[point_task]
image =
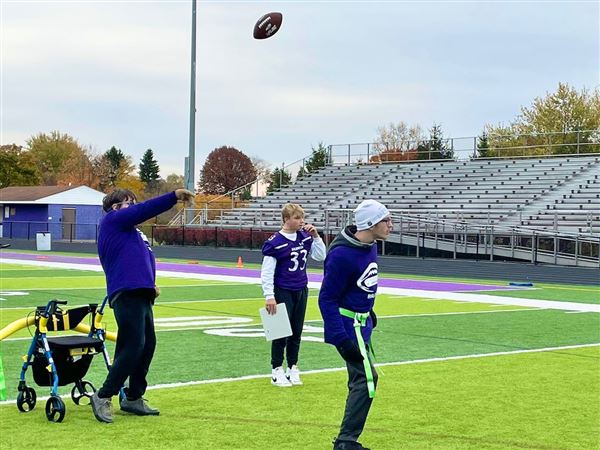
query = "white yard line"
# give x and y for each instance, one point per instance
(340, 369)
(457, 313)
(493, 299)
(158, 304)
(257, 321)
(454, 296)
(104, 287)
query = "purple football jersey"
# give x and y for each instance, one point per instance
(291, 256)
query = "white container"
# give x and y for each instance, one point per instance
(43, 241)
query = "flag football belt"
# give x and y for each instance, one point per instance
(360, 320)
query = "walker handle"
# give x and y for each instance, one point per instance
(52, 304)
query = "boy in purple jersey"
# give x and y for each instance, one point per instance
(130, 270)
(284, 280)
(346, 301)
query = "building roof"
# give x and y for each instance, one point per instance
(30, 193)
(51, 195)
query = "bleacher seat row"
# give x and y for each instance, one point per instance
(558, 193)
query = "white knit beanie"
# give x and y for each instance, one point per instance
(369, 213)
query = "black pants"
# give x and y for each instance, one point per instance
(136, 342)
(358, 402)
(295, 303)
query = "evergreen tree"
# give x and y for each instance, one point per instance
(440, 148)
(279, 178)
(149, 171)
(246, 193)
(436, 147)
(301, 172)
(318, 159)
(112, 167)
(114, 156)
(483, 146)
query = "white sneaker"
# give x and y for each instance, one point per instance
(293, 375)
(279, 379)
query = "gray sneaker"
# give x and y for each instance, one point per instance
(139, 407)
(102, 408)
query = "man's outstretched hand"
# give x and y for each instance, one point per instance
(185, 196)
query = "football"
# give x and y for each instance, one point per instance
(268, 25)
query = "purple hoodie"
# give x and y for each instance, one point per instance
(124, 251)
(350, 281)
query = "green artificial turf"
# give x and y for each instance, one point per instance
(546, 400)
(525, 401)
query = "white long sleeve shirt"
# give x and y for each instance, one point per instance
(318, 252)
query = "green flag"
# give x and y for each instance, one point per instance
(2, 382)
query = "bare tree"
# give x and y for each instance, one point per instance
(398, 137)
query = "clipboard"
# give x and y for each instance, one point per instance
(276, 325)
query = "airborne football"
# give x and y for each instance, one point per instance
(268, 25)
(217, 241)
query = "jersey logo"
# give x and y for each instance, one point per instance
(368, 279)
(144, 238)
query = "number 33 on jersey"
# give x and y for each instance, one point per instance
(291, 257)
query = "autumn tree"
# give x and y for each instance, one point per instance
(169, 184)
(79, 169)
(225, 169)
(51, 153)
(17, 167)
(565, 121)
(134, 184)
(172, 182)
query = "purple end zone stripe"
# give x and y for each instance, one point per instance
(441, 286)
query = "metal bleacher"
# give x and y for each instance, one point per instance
(553, 193)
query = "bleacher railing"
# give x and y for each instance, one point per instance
(464, 148)
(455, 238)
(490, 241)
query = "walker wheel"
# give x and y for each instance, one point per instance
(55, 409)
(26, 399)
(85, 390)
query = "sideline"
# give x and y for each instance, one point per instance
(456, 296)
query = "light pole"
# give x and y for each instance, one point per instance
(191, 163)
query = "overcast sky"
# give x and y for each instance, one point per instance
(118, 73)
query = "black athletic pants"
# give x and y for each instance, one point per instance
(358, 402)
(295, 303)
(136, 342)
